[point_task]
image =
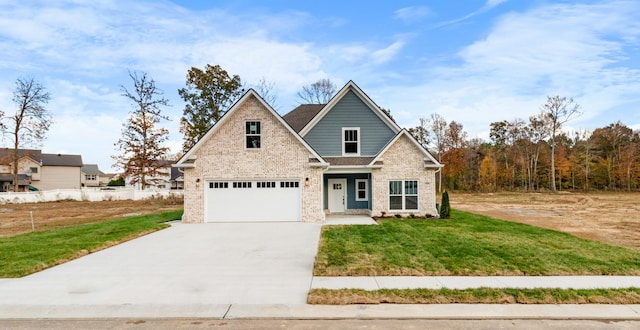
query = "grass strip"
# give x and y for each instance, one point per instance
(467, 244)
(474, 296)
(25, 254)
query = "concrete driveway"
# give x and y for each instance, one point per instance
(195, 264)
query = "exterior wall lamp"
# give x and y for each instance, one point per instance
(197, 182)
(307, 182)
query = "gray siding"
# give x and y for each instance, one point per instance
(326, 136)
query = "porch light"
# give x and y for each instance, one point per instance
(197, 182)
(307, 182)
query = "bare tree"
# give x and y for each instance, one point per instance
(320, 92)
(439, 129)
(558, 111)
(266, 90)
(31, 120)
(141, 142)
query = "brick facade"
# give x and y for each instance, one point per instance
(404, 161)
(224, 156)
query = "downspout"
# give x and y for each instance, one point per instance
(437, 213)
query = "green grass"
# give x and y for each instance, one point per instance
(466, 244)
(29, 253)
(475, 296)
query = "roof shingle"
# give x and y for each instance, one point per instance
(299, 117)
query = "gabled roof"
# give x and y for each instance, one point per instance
(23, 179)
(299, 117)
(6, 155)
(430, 161)
(61, 160)
(92, 169)
(350, 86)
(186, 159)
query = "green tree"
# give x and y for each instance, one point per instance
(119, 182)
(209, 94)
(141, 142)
(31, 121)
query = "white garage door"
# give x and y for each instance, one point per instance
(249, 201)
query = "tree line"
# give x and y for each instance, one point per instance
(534, 154)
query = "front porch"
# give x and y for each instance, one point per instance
(347, 194)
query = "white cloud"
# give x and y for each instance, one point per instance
(387, 54)
(493, 3)
(413, 13)
(571, 50)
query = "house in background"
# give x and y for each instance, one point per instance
(159, 182)
(40, 171)
(177, 178)
(344, 157)
(93, 177)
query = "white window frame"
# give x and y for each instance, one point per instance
(404, 195)
(359, 138)
(366, 190)
(246, 134)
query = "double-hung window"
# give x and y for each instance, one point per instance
(252, 134)
(351, 141)
(403, 195)
(362, 191)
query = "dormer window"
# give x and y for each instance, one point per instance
(252, 134)
(351, 141)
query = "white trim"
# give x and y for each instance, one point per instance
(341, 93)
(358, 138)
(345, 198)
(366, 190)
(347, 169)
(227, 115)
(403, 195)
(427, 154)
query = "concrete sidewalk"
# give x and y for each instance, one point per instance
(469, 282)
(317, 312)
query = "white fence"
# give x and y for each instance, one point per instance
(85, 194)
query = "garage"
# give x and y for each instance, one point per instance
(252, 200)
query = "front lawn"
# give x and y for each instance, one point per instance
(24, 254)
(466, 244)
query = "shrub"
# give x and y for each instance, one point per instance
(412, 216)
(445, 208)
(398, 215)
(119, 182)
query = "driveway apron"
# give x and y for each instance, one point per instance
(224, 263)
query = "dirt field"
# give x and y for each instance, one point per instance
(608, 217)
(16, 218)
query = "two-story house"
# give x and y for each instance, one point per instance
(346, 156)
(40, 171)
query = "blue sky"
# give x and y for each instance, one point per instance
(471, 61)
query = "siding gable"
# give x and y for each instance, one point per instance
(350, 111)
